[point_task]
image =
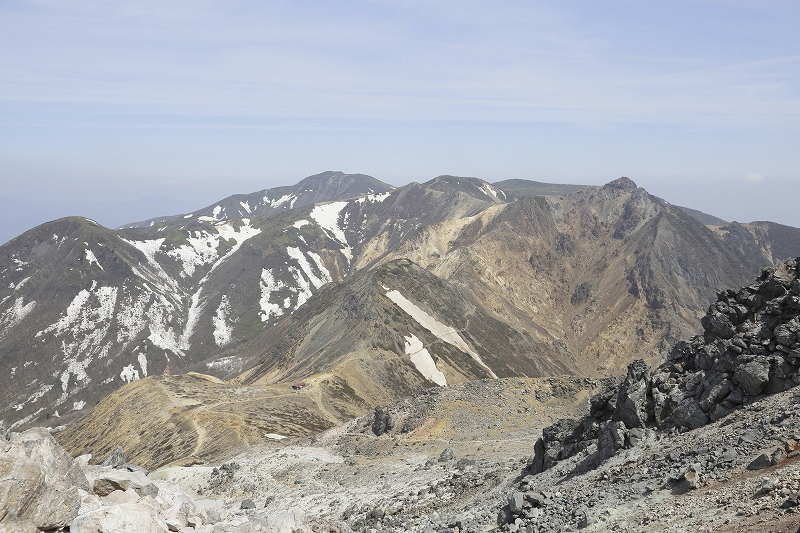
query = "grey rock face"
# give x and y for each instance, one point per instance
(632, 404)
(760, 462)
(108, 482)
(446, 455)
(719, 325)
(515, 502)
(247, 503)
(610, 439)
(785, 336)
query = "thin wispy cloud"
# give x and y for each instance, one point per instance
(753, 177)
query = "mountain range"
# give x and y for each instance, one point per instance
(364, 291)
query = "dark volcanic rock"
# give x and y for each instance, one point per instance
(632, 405)
(382, 422)
(752, 377)
(749, 348)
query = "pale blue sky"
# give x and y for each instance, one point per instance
(105, 102)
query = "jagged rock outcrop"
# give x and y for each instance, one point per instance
(750, 348)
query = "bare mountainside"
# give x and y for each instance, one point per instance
(706, 441)
(579, 284)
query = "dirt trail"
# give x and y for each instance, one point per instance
(314, 392)
(201, 438)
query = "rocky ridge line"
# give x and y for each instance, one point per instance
(750, 349)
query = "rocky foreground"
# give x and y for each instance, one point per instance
(735, 475)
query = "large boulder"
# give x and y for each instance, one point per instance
(127, 517)
(382, 421)
(719, 324)
(39, 481)
(107, 482)
(688, 414)
(752, 377)
(116, 459)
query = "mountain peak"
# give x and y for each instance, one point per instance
(623, 184)
(473, 186)
(323, 187)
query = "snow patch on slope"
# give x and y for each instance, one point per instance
(93, 259)
(268, 285)
(201, 249)
(375, 198)
(423, 361)
(445, 333)
(142, 363)
(317, 280)
(14, 314)
(223, 332)
(302, 288)
(18, 286)
(488, 190)
(159, 277)
(226, 364)
(280, 201)
(129, 374)
(226, 231)
(131, 315)
(327, 216)
(83, 328)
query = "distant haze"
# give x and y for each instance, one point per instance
(126, 110)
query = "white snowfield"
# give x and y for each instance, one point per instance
(291, 198)
(268, 285)
(316, 280)
(375, 198)
(423, 361)
(201, 249)
(491, 191)
(14, 314)
(223, 331)
(327, 216)
(446, 333)
(92, 258)
(310, 274)
(86, 329)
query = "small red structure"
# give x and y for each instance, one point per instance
(298, 386)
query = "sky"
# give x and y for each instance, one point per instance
(121, 110)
